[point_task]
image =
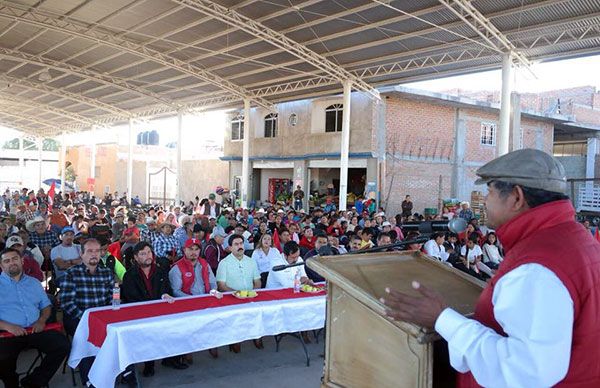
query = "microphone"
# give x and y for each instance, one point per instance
(285, 266)
(456, 225)
(418, 240)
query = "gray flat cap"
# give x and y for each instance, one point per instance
(527, 167)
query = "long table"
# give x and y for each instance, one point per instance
(154, 330)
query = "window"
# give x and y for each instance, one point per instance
(237, 128)
(271, 125)
(488, 134)
(333, 118)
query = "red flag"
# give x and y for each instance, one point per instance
(276, 242)
(597, 234)
(51, 193)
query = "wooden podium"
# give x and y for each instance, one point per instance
(364, 348)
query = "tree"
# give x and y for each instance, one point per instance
(50, 145)
(47, 145)
(14, 144)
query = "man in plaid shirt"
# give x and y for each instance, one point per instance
(42, 237)
(149, 234)
(166, 244)
(84, 286)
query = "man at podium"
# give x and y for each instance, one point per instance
(536, 322)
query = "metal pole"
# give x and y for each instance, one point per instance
(93, 157)
(21, 160)
(345, 146)
(179, 137)
(245, 155)
(63, 157)
(40, 143)
(504, 128)
(130, 162)
(164, 170)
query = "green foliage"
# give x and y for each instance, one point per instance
(47, 145)
(50, 145)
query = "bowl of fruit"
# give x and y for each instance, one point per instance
(245, 294)
(311, 289)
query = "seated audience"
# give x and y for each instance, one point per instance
(84, 286)
(492, 255)
(146, 280)
(264, 254)
(238, 272)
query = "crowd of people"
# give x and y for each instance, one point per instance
(67, 253)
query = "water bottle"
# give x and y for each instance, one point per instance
(116, 297)
(297, 282)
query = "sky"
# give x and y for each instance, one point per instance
(211, 125)
(548, 76)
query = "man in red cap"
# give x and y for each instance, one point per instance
(191, 275)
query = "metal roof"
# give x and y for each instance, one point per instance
(66, 65)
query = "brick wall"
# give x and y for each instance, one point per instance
(586, 115)
(419, 179)
(419, 129)
(420, 147)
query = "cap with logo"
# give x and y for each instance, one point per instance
(13, 240)
(193, 241)
(527, 167)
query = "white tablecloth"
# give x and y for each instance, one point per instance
(168, 335)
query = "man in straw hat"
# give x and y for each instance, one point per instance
(42, 237)
(535, 323)
(166, 245)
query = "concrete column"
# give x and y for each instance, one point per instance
(93, 153)
(301, 178)
(345, 146)
(590, 161)
(178, 166)
(246, 156)
(371, 179)
(63, 157)
(379, 118)
(504, 130)
(21, 160)
(516, 131)
(458, 168)
(130, 160)
(40, 144)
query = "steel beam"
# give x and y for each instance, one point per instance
(277, 39)
(66, 25)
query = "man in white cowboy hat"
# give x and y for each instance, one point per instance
(184, 232)
(465, 212)
(41, 236)
(24, 213)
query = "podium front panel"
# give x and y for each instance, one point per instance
(365, 348)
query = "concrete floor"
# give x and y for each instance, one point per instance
(252, 368)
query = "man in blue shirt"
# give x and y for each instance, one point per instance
(23, 305)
